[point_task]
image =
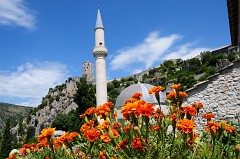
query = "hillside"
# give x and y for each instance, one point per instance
(15, 112)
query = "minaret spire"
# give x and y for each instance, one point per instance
(99, 23)
(100, 53)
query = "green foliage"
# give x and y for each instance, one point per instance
(67, 122)
(20, 129)
(30, 134)
(7, 141)
(116, 83)
(69, 79)
(62, 94)
(50, 100)
(232, 56)
(211, 70)
(57, 98)
(113, 94)
(205, 57)
(144, 77)
(194, 64)
(61, 122)
(84, 98)
(110, 86)
(203, 78)
(168, 63)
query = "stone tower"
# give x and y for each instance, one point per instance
(88, 71)
(100, 53)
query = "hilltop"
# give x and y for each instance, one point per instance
(15, 112)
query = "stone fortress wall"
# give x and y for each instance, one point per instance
(220, 94)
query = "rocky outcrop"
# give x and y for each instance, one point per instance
(62, 101)
(220, 95)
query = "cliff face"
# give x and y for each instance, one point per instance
(58, 100)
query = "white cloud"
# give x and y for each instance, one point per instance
(154, 49)
(185, 52)
(15, 12)
(146, 53)
(31, 82)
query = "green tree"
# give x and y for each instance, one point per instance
(61, 122)
(205, 57)
(20, 129)
(30, 134)
(84, 98)
(116, 83)
(113, 94)
(110, 86)
(6, 141)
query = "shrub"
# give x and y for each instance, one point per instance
(57, 98)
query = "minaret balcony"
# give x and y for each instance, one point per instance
(100, 51)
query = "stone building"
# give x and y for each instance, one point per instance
(88, 71)
(234, 21)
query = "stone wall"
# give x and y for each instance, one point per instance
(220, 95)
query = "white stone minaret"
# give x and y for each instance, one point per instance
(100, 53)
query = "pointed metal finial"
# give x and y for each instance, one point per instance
(99, 23)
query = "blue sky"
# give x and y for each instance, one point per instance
(42, 43)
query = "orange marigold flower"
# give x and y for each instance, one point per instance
(114, 116)
(154, 128)
(105, 138)
(102, 155)
(155, 90)
(64, 137)
(186, 125)
(212, 126)
(22, 151)
(115, 133)
(230, 129)
(176, 86)
(208, 116)
(69, 137)
(191, 141)
(109, 104)
(128, 108)
(105, 125)
(82, 116)
(127, 128)
(190, 109)
(173, 117)
(172, 95)
(183, 94)
(88, 125)
(90, 111)
(145, 109)
(137, 96)
(116, 125)
(197, 105)
(92, 135)
(104, 110)
(40, 145)
(122, 144)
(74, 135)
(136, 143)
(12, 156)
(46, 133)
(158, 114)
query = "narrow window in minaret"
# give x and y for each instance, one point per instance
(100, 43)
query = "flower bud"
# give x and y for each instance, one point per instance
(237, 149)
(137, 131)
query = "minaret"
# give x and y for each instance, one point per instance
(100, 53)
